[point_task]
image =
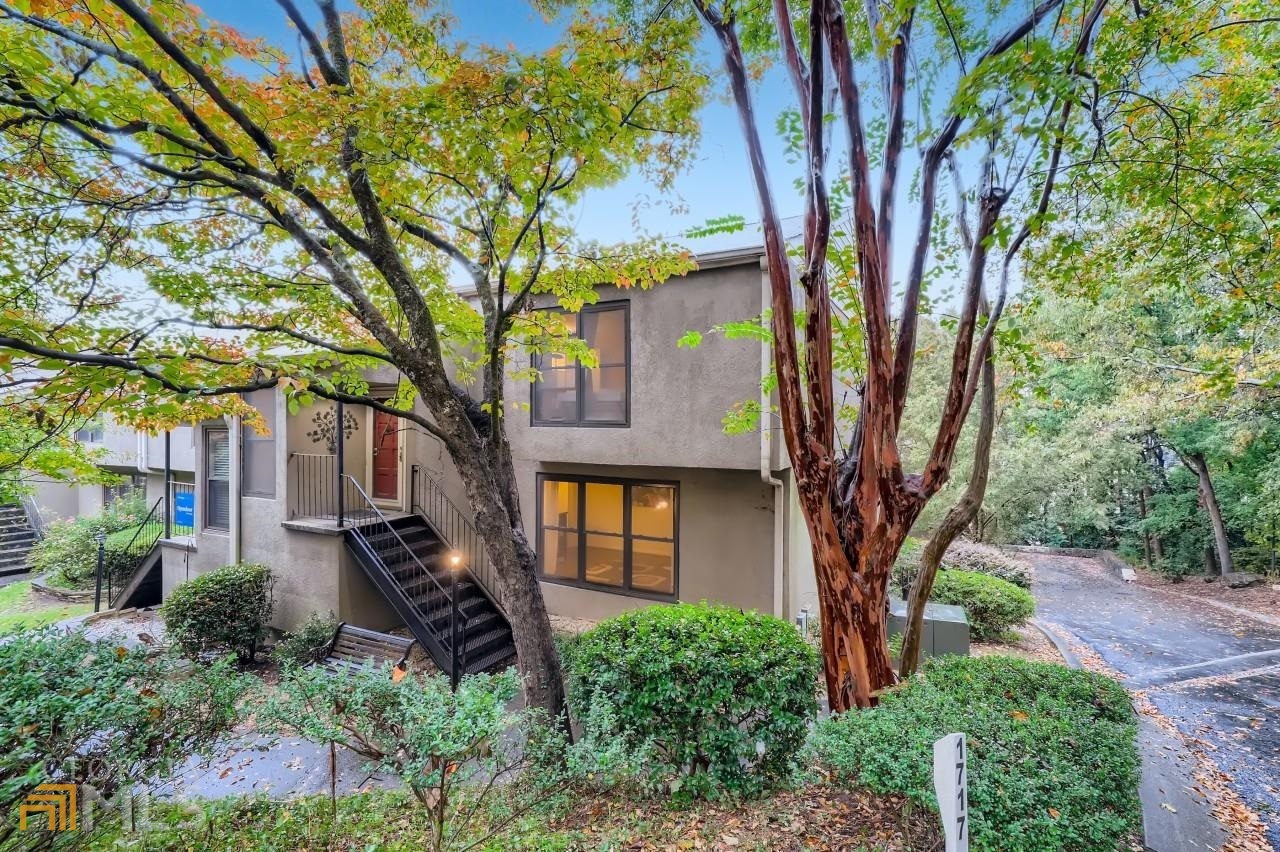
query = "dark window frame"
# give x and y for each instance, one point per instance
(581, 582)
(208, 524)
(623, 305)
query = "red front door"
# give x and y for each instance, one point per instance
(386, 456)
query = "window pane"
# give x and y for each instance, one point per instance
(559, 504)
(605, 331)
(560, 554)
(653, 511)
(604, 399)
(218, 476)
(653, 566)
(555, 395)
(604, 559)
(604, 508)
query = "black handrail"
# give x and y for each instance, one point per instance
(134, 554)
(366, 522)
(428, 498)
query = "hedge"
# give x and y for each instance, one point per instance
(992, 605)
(1053, 762)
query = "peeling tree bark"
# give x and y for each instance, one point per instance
(859, 508)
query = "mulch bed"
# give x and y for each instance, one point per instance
(1031, 644)
(816, 817)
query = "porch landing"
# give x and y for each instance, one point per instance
(329, 526)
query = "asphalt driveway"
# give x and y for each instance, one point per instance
(1215, 674)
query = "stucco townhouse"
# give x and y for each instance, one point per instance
(630, 487)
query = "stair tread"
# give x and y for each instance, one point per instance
(488, 634)
(489, 661)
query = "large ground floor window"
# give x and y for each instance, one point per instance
(613, 534)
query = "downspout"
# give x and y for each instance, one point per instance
(233, 486)
(781, 584)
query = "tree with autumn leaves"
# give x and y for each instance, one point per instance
(998, 101)
(190, 215)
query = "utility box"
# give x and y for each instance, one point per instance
(945, 629)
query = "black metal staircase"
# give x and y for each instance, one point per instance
(431, 585)
(133, 576)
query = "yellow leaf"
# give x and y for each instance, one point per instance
(1053, 812)
(1019, 715)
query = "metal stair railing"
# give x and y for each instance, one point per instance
(365, 521)
(135, 553)
(428, 498)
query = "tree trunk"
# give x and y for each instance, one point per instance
(1210, 498)
(486, 471)
(960, 515)
(1155, 546)
(854, 627)
(1148, 547)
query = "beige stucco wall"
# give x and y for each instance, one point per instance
(679, 396)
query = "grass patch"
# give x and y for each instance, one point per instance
(21, 608)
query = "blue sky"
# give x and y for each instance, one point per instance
(716, 183)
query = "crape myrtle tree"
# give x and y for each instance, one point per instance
(1005, 91)
(192, 214)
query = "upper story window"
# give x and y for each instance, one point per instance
(569, 394)
(90, 433)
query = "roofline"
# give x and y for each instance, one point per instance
(705, 260)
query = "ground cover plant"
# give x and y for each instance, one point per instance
(1052, 757)
(77, 711)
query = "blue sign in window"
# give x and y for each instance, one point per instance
(184, 510)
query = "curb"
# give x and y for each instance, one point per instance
(1068, 656)
(39, 585)
(1166, 776)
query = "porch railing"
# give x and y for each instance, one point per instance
(180, 516)
(428, 498)
(313, 485)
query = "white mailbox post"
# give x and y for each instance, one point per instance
(951, 783)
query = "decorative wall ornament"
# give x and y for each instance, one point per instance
(326, 428)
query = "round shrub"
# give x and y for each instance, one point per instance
(1053, 761)
(992, 605)
(224, 610)
(719, 699)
